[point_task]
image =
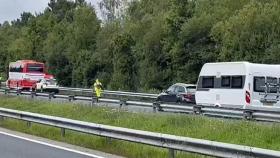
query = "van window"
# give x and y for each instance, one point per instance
(272, 84)
(225, 81)
(208, 82)
(259, 84)
(236, 82)
(16, 69)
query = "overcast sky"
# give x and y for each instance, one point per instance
(11, 9)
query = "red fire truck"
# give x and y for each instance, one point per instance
(24, 74)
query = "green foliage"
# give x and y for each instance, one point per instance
(252, 34)
(142, 44)
(123, 63)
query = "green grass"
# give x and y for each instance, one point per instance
(264, 135)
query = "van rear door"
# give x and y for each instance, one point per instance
(265, 91)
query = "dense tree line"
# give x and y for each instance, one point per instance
(142, 44)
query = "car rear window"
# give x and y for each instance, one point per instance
(51, 82)
(191, 89)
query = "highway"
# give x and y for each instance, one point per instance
(24, 146)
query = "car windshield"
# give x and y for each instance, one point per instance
(191, 89)
(171, 89)
(51, 82)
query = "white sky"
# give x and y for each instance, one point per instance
(11, 9)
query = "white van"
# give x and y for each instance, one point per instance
(238, 84)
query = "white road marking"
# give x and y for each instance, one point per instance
(51, 145)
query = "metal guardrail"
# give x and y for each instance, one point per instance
(251, 113)
(93, 100)
(171, 142)
(117, 93)
(267, 114)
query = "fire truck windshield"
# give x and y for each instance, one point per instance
(35, 68)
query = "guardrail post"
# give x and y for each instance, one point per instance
(248, 114)
(92, 101)
(63, 132)
(197, 109)
(6, 91)
(28, 123)
(108, 140)
(33, 94)
(156, 105)
(50, 96)
(18, 91)
(71, 98)
(122, 103)
(172, 153)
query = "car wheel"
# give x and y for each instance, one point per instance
(179, 100)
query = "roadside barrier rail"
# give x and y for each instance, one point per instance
(117, 93)
(171, 142)
(271, 114)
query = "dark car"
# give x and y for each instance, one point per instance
(178, 93)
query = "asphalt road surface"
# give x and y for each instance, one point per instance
(13, 146)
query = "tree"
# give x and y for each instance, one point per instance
(82, 37)
(142, 44)
(104, 55)
(25, 17)
(123, 76)
(252, 34)
(113, 9)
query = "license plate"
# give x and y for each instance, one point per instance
(268, 104)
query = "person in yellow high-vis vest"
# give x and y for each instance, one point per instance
(97, 88)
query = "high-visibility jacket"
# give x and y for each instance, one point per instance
(98, 88)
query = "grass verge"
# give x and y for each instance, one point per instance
(264, 135)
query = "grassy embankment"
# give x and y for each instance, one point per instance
(230, 131)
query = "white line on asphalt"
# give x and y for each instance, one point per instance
(51, 145)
